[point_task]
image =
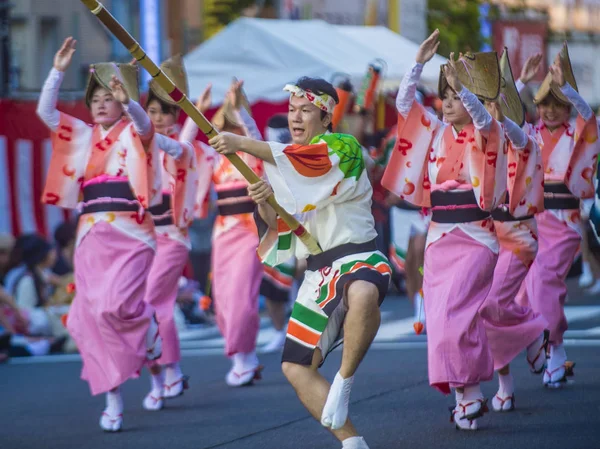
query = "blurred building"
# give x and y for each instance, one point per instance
(564, 15)
(38, 27)
(406, 17)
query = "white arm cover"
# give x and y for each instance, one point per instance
(46, 108)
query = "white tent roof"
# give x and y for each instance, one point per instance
(267, 54)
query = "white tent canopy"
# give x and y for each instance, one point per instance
(267, 54)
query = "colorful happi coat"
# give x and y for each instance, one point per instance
(430, 154)
(569, 156)
(525, 186)
(326, 187)
(180, 181)
(88, 154)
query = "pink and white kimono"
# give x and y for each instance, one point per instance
(117, 171)
(171, 220)
(461, 176)
(569, 156)
(236, 268)
(511, 327)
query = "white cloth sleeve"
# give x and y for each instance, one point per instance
(515, 134)
(408, 89)
(520, 85)
(46, 108)
(189, 131)
(25, 293)
(250, 124)
(577, 100)
(170, 146)
(481, 117)
(141, 121)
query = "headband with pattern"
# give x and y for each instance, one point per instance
(324, 102)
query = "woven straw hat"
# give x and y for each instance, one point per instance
(548, 87)
(478, 72)
(227, 115)
(101, 75)
(175, 70)
(510, 101)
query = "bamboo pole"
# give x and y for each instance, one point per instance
(190, 109)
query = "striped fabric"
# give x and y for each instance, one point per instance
(320, 295)
(23, 168)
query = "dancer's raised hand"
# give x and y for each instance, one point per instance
(428, 48)
(64, 56)
(452, 75)
(531, 68)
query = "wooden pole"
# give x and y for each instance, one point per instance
(190, 109)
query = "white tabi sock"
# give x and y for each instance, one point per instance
(111, 419)
(172, 373)
(558, 357)
(156, 381)
(154, 400)
(335, 412)
(459, 396)
(114, 403)
(472, 393)
(354, 443)
(506, 388)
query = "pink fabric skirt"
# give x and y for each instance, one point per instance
(237, 275)
(510, 327)
(108, 318)
(458, 275)
(161, 293)
(545, 285)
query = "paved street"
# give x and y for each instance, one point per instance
(45, 405)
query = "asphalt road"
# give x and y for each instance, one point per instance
(43, 404)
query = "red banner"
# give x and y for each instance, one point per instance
(523, 38)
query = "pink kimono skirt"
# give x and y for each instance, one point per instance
(161, 293)
(109, 318)
(237, 275)
(545, 287)
(458, 275)
(510, 327)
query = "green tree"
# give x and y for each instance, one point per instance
(458, 22)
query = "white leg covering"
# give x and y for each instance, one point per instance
(112, 416)
(175, 381)
(504, 400)
(555, 373)
(245, 369)
(154, 400)
(470, 405)
(354, 443)
(335, 412)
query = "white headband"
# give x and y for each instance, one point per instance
(324, 102)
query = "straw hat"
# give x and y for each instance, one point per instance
(478, 72)
(510, 101)
(548, 87)
(175, 70)
(227, 115)
(101, 75)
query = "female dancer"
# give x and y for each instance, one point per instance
(237, 270)
(569, 154)
(511, 327)
(171, 220)
(458, 168)
(115, 164)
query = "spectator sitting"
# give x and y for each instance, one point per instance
(7, 242)
(64, 236)
(27, 282)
